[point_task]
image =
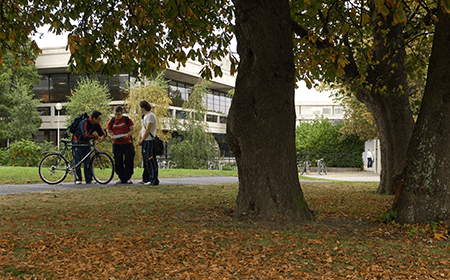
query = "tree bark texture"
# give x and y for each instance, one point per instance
(424, 195)
(261, 120)
(388, 99)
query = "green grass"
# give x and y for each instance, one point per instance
(187, 232)
(29, 175)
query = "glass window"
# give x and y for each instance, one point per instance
(337, 110)
(117, 86)
(223, 119)
(41, 90)
(180, 114)
(62, 112)
(44, 111)
(326, 111)
(59, 87)
(211, 118)
(74, 79)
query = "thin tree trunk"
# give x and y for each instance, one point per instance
(261, 120)
(424, 193)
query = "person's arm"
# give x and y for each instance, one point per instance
(100, 133)
(146, 133)
(131, 132)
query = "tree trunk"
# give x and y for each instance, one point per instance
(388, 99)
(395, 124)
(261, 120)
(424, 195)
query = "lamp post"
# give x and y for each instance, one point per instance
(58, 107)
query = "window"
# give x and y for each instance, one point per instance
(41, 90)
(223, 119)
(180, 114)
(59, 87)
(338, 110)
(44, 111)
(326, 111)
(211, 118)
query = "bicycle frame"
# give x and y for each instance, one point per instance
(65, 151)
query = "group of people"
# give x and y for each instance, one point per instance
(120, 130)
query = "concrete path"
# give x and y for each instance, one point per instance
(361, 176)
(67, 185)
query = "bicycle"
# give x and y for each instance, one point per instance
(304, 167)
(321, 167)
(54, 167)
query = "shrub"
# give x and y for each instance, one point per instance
(323, 139)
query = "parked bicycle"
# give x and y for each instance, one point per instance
(321, 167)
(55, 166)
(304, 168)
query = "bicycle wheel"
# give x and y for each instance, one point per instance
(303, 169)
(324, 168)
(53, 168)
(102, 167)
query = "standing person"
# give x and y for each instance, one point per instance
(120, 129)
(80, 148)
(369, 159)
(148, 130)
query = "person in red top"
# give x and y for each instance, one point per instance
(120, 129)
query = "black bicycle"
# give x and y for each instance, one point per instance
(55, 166)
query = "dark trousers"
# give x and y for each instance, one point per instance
(150, 164)
(124, 160)
(80, 150)
(369, 162)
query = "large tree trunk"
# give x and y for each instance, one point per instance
(388, 99)
(393, 118)
(424, 195)
(261, 120)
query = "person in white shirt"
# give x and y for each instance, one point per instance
(369, 159)
(148, 130)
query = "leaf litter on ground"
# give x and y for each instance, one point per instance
(187, 232)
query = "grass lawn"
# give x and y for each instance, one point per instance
(187, 232)
(29, 175)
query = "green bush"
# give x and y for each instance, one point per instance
(321, 138)
(25, 153)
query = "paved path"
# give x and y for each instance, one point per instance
(362, 176)
(66, 185)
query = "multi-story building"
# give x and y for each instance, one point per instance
(307, 111)
(57, 83)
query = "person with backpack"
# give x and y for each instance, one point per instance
(82, 136)
(120, 129)
(148, 130)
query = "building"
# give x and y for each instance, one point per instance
(57, 82)
(307, 111)
(311, 104)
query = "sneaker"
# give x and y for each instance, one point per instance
(142, 182)
(77, 182)
(128, 182)
(156, 183)
(148, 183)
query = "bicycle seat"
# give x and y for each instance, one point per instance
(66, 141)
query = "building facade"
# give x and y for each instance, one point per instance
(56, 85)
